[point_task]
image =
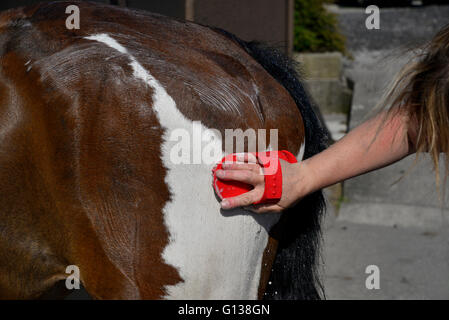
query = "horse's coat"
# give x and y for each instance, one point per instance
(86, 176)
(196, 236)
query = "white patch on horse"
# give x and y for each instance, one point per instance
(106, 39)
(217, 254)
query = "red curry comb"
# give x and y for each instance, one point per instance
(269, 160)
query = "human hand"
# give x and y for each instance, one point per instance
(248, 170)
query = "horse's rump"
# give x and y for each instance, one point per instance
(86, 178)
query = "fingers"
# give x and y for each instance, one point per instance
(242, 166)
(247, 170)
(246, 157)
(242, 200)
(245, 176)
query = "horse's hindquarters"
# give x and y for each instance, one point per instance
(101, 106)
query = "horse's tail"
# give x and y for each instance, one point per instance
(295, 269)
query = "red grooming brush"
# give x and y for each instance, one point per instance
(269, 160)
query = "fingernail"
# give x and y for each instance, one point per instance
(220, 173)
(225, 204)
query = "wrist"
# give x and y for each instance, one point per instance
(304, 181)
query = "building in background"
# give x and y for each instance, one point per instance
(269, 21)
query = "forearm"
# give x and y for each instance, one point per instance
(374, 144)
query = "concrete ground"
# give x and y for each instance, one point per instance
(398, 226)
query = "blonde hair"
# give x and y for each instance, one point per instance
(421, 90)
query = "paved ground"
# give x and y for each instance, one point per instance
(400, 227)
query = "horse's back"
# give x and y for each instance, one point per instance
(86, 131)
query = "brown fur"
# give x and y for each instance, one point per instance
(81, 179)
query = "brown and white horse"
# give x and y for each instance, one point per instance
(86, 179)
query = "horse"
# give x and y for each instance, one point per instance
(86, 176)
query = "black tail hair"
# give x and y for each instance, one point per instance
(295, 269)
